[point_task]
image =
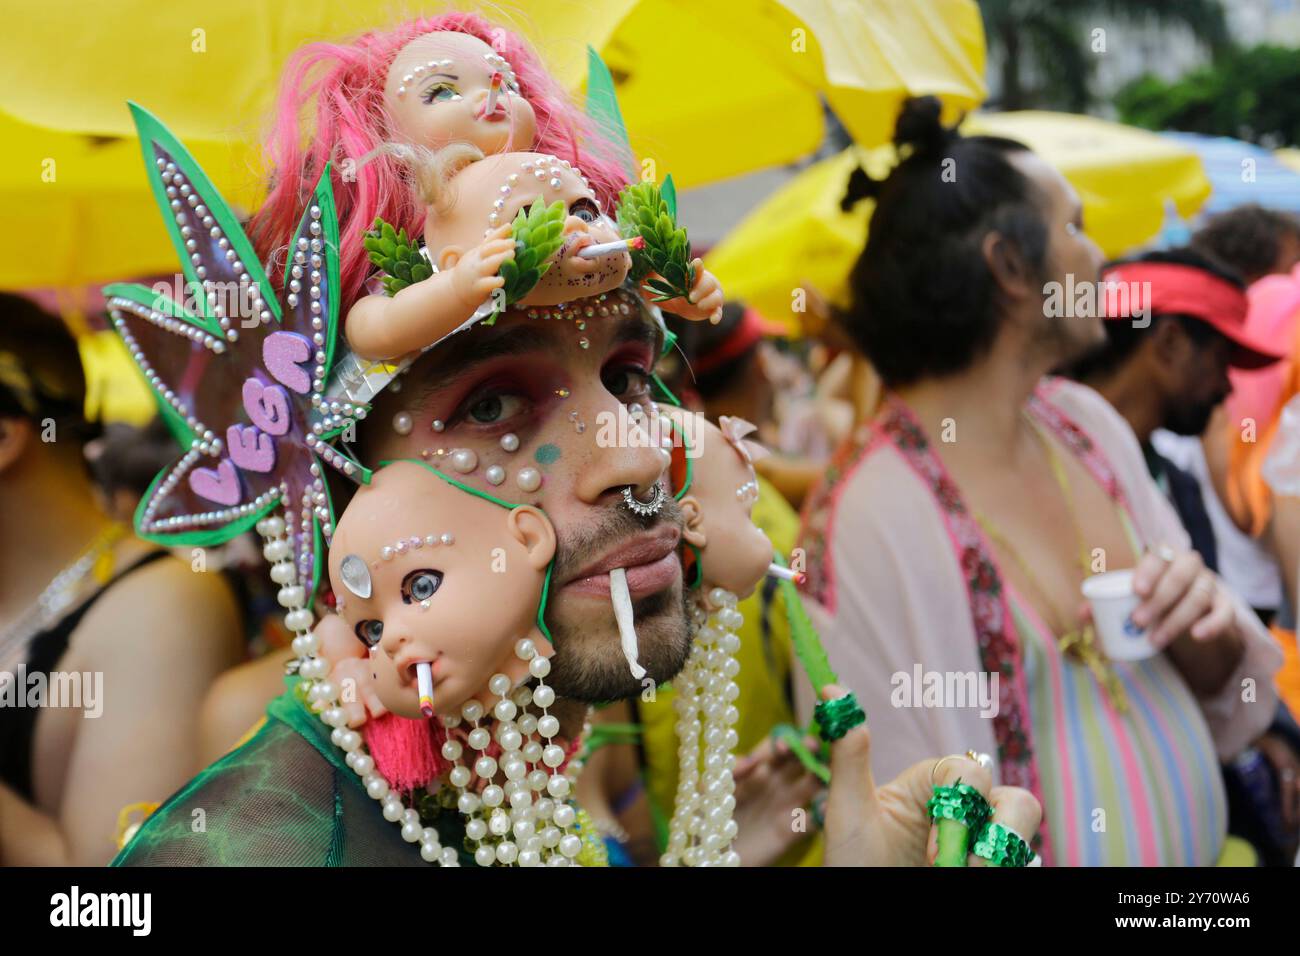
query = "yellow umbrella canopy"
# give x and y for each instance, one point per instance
(799, 237)
(78, 209)
(708, 90)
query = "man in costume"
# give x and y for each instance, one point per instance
(950, 541)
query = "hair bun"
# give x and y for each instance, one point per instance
(918, 126)
(859, 187)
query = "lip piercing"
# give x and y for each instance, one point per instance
(645, 509)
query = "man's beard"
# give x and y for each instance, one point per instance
(1191, 419)
(589, 664)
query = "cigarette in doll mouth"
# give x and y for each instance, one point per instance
(785, 574)
(622, 601)
(494, 91)
(424, 674)
(610, 248)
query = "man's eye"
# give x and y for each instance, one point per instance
(421, 585)
(495, 408)
(370, 631)
(585, 210)
(442, 93)
(627, 381)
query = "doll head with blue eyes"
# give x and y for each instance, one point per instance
(469, 196)
(425, 572)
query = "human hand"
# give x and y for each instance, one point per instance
(889, 825)
(1180, 598)
(1277, 751)
(771, 783)
(350, 670)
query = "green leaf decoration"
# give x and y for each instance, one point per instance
(602, 107)
(669, 191)
(538, 234)
(644, 210)
(396, 255)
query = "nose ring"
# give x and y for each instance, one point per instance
(645, 509)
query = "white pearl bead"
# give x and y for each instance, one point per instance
(392, 811)
(493, 796)
(571, 845)
(476, 829)
(537, 780)
(553, 756)
(479, 738)
(467, 803)
(543, 696)
(557, 786)
(499, 685)
(472, 710)
(525, 649)
(505, 710)
(539, 667)
(283, 572)
(464, 460)
(411, 832)
(430, 852)
(485, 856)
(528, 479)
(532, 751)
(459, 776)
(452, 749)
(486, 767)
(548, 726)
(507, 852)
(564, 815)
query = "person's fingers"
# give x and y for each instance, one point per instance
(710, 301)
(1221, 616)
(1285, 765)
(1016, 809)
(1194, 604)
(945, 772)
(1149, 569)
(1169, 589)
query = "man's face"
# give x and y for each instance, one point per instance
(1201, 386)
(1072, 259)
(520, 407)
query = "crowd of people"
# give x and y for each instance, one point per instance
(952, 459)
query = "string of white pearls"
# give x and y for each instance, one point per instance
(702, 829)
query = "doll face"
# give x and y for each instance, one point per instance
(425, 572)
(515, 180)
(515, 409)
(438, 86)
(734, 552)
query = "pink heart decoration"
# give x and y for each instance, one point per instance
(221, 485)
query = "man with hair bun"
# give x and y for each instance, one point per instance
(951, 539)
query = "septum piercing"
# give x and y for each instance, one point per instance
(645, 509)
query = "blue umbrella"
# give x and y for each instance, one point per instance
(1239, 172)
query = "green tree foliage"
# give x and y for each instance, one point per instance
(1250, 94)
(1056, 37)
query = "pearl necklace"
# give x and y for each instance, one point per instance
(701, 831)
(618, 302)
(529, 819)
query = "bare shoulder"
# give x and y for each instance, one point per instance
(163, 608)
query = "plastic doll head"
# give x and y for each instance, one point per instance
(734, 553)
(438, 88)
(427, 572)
(332, 109)
(465, 206)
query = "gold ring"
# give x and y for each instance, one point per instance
(970, 755)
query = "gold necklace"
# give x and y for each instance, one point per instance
(1079, 644)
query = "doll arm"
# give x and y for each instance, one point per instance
(383, 327)
(705, 301)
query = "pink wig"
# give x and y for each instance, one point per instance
(342, 86)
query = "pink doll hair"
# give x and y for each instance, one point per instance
(342, 84)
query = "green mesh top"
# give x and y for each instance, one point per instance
(285, 798)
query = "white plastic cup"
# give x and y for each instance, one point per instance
(1113, 601)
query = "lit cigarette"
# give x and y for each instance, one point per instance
(494, 90)
(622, 601)
(785, 574)
(424, 674)
(610, 248)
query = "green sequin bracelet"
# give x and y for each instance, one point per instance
(959, 811)
(1002, 846)
(837, 717)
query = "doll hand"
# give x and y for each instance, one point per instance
(356, 684)
(705, 300)
(476, 276)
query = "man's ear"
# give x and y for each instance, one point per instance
(15, 435)
(448, 257)
(693, 532)
(531, 528)
(1010, 270)
(1170, 341)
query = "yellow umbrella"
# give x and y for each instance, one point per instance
(798, 237)
(710, 89)
(78, 209)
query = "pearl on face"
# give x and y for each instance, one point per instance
(495, 475)
(437, 425)
(402, 423)
(510, 442)
(528, 479)
(464, 460)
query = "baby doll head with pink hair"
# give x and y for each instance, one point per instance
(428, 83)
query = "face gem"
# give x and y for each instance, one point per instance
(355, 575)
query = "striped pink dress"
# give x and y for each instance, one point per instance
(904, 578)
